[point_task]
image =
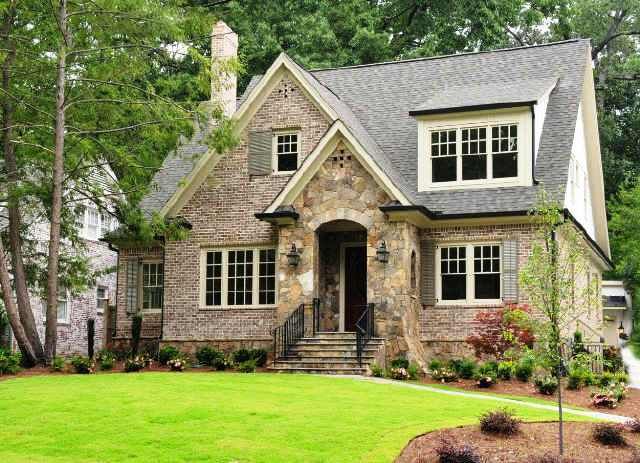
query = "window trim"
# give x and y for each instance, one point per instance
(63, 296)
(141, 286)
(470, 275)
(255, 277)
(520, 116)
(274, 151)
(98, 299)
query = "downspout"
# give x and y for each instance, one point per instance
(163, 285)
(533, 144)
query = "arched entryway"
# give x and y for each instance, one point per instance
(342, 274)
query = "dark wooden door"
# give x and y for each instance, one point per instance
(355, 285)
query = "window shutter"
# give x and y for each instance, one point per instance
(510, 271)
(428, 272)
(132, 286)
(260, 152)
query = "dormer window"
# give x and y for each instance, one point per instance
(475, 150)
(286, 152)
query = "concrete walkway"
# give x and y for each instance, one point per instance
(505, 400)
(633, 365)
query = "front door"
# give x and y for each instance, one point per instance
(355, 285)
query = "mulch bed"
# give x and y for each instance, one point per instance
(534, 440)
(580, 398)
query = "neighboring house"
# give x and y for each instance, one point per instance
(617, 312)
(75, 312)
(404, 186)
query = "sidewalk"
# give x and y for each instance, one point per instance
(633, 365)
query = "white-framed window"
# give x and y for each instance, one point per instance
(102, 299)
(95, 224)
(286, 151)
(92, 222)
(152, 285)
(63, 306)
(238, 277)
(469, 273)
(474, 153)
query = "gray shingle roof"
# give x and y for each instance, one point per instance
(374, 101)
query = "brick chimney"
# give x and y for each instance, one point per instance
(224, 46)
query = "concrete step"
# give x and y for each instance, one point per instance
(317, 363)
(295, 355)
(332, 348)
(334, 342)
(320, 371)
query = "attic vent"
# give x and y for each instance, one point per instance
(341, 160)
(286, 89)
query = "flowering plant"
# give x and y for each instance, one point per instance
(399, 373)
(444, 375)
(485, 381)
(178, 363)
(136, 363)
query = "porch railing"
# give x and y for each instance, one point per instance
(294, 328)
(365, 330)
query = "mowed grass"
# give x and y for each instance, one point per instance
(221, 417)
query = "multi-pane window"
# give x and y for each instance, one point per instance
(152, 285)
(453, 271)
(239, 277)
(267, 277)
(486, 272)
(63, 306)
(101, 298)
(504, 146)
(470, 273)
(286, 152)
(443, 155)
(92, 223)
(95, 224)
(213, 278)
(474, 153)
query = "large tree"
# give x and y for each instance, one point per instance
(86, 85)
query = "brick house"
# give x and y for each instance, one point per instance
(385, 202)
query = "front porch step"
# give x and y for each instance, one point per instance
(328, 353)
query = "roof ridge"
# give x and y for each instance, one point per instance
(452, 55)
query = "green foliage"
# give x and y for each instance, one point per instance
(435, 364)
(58, 363)
(400, 362)
(208, 355)
(9, 362)
(136, 363)
(487, 374)
(106, 359)
(465, 368)
(609, 434)
(167, 353)
(178, 363)
(247, 366)
(506, 370)
(413, 370)
(376, 370)
(444, 375)
(82, 365)
(579, 372)
(546, 384)
(243, 355)
(398, 373)
(525, 367)
(612, 359)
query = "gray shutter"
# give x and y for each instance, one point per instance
(510, 271)
(132, 286)
(260, 152)
(428, 272)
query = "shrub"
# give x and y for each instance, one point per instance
(248, 366)
(546, 384)
(524, 368)
(506, 370)
(168, 353)
(621, 377)
(178, 363)
(413, 371)
(82, 365)
(9, 362)
(633, 424)
(450, 451)
(242, 355)
(444, 375)
(603, 400)
(612, 359)
(136, 363)
(400, 362)
(435, 364)
(208, 356)
(486, 375)
(221, 363)
(605, 379)
(502, 331)
(399, 373)
(106, 359)
(501, 422)
(465, 368)
(609, 434)
(579, 371)
(376, 370)
(58, 364)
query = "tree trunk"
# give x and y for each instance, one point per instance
(26, 317)
(28, 354)
(56, 196)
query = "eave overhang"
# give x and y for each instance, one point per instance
(479, 107)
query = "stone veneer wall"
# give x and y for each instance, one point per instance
(346, 191)
(222, 214)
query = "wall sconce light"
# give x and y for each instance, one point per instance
(293, 256)
(621, 330)
(382, 253)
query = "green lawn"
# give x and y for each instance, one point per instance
(172, 417)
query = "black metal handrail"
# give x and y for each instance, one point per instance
(365, 330)
(293, 329)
